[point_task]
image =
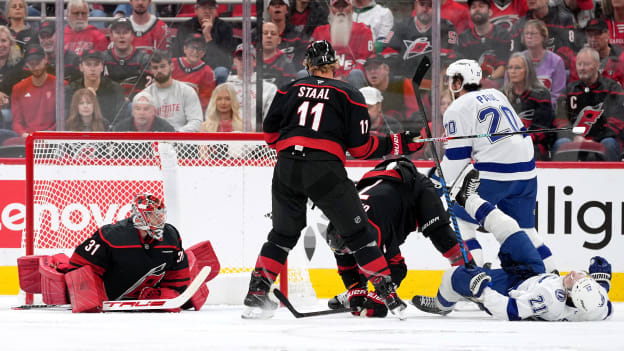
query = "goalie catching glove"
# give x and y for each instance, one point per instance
(403, 144)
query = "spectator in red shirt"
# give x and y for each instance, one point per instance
(292, 42)
(352, 41)
(149, 32)
(34, 98)
(79, 34)
(614, 12)
(306, 15)
(192, 70)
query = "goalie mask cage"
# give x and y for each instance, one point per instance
(216, 186)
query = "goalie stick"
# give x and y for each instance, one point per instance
(284, 300)
(140, 305)
(575, 130)
(421, 70)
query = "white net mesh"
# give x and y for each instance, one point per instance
(213, 189)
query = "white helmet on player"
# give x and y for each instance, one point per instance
(469, 70)
(587, 295)
(149, 214)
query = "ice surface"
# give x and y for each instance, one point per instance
(221, 328)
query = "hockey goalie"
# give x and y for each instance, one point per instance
(137, 258)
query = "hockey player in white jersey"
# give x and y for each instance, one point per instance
(520, 289)
(506, 163)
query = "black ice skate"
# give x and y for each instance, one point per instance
(469, 185)
(430, 305)
(257, 302)
(387, 291)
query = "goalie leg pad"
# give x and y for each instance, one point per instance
(28, 273)
(199, 298)
(86, 290)
(204, 256)
(53, 288)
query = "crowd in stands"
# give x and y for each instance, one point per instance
(559, 62)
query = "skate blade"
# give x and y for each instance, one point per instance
(256, 313)
(400, 313)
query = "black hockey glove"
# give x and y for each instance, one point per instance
(357, 298)
(374, 306)
(600, 271)
(403, 144)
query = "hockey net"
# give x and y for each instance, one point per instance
(216, 187)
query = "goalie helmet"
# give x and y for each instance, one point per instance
(587, 295)
(469, 70)
(320, 53)
(149, 214)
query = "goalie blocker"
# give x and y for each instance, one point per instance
(84, 289)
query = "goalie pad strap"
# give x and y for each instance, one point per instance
(86, 290)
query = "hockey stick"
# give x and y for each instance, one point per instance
(140, 305)
(421, 70)
(284, 300)
(575, 130)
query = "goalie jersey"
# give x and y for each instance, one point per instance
(127, 264)
(541, 297)
(501, 158)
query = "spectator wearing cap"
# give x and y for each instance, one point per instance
(143, 117)
(150, 33)
(611, 56)
(306, 15)
(34, 98)
(292, 42)
(123, 63)
(79, 35)
(268, 89)
(398, 93)
(47, 40)
(582, 11)
(110, 94)
(11, 72)
(191, 70)
(22, 31)
(277, 68)
(377, 17)
(217, 33)
(380, 123)
(352, 41)
(175, 102)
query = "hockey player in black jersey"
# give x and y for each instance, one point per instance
(398, 200)
(311, 123)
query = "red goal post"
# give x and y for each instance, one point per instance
(216, 186)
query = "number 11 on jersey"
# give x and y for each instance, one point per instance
(317, 112)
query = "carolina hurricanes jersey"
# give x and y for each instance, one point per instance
(507, 12)
(354, 55)
(130, 72)
(90, 38)
(278, 69)
(293, 45)
(616, 32)
(541, 297)
(409, 42)
(200, 77)
(153, 35)
(501, 158)
(490, 50)
(535, 109)
(597, 107)
(127, 264)
(611, 66)
(323, 114)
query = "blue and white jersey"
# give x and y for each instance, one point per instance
(540, 297)
(501, 158)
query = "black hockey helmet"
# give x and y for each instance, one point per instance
(320, 53)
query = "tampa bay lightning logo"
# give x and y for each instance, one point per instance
(560, 294)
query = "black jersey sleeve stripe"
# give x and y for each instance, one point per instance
(115, 246)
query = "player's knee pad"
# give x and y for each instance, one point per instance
(28, 273)
(500, 225)
(518, 256)
(285, 242)
(199, 298)
(536, 239)
(53, 287)
(86, 290)
(467, 229)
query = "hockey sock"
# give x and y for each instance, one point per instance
(372, 263)
(270, 261)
